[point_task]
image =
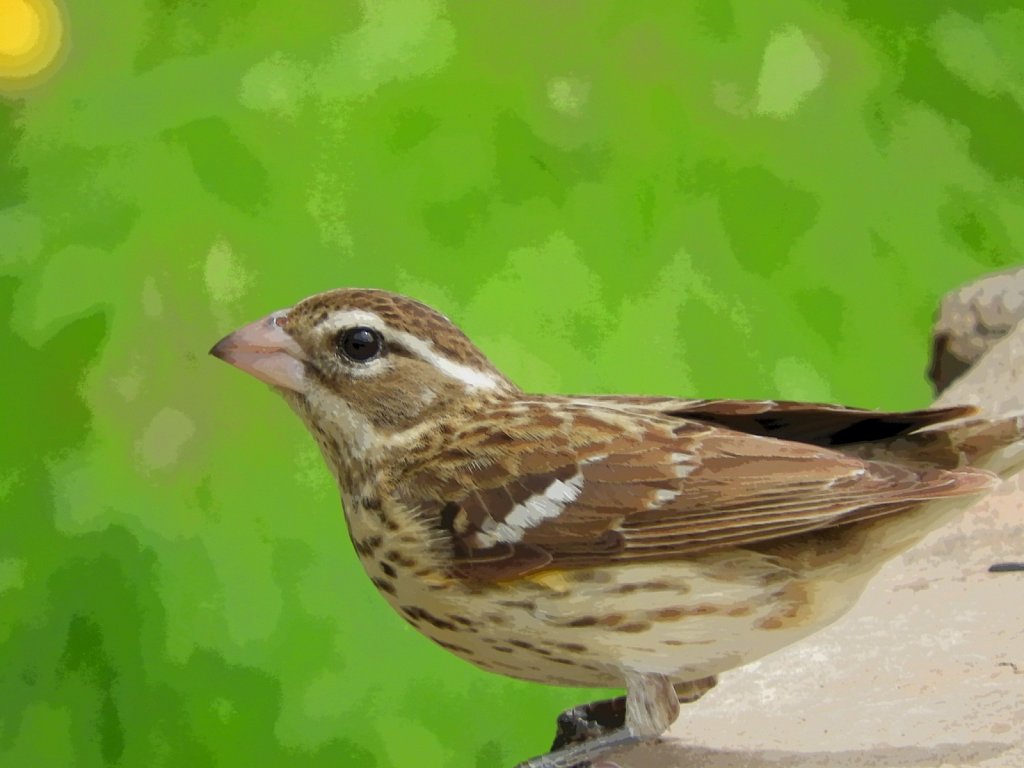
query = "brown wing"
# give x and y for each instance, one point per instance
(605, 484)
(814, 423)
(943, 438)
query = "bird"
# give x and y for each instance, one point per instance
(644, 543)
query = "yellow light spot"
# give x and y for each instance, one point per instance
(553, 580)
(31, 34)
(20, 30)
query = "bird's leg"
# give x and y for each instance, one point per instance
(650, 706)
(589, 721)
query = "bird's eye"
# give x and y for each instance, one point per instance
(359, 344)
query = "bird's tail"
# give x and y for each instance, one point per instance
(993, 444)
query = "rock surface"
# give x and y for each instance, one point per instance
(926, 672)
(971, 320)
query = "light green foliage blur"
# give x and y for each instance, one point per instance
(702, 198)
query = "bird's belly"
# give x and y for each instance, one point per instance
(686, 620)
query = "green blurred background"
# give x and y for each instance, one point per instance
(704, 198)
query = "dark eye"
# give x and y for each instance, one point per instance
(359, 344)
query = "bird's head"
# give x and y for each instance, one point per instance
(361, 365)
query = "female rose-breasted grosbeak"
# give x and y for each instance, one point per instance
(640, 542)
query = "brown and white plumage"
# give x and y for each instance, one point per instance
(607, 540)
(575, 482)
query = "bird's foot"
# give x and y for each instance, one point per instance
(588, 732)
(589, 721)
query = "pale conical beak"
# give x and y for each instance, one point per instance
(265, 350)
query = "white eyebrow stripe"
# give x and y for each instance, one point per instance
(471, 377)
(424, 350)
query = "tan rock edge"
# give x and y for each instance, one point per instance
(971, 320)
